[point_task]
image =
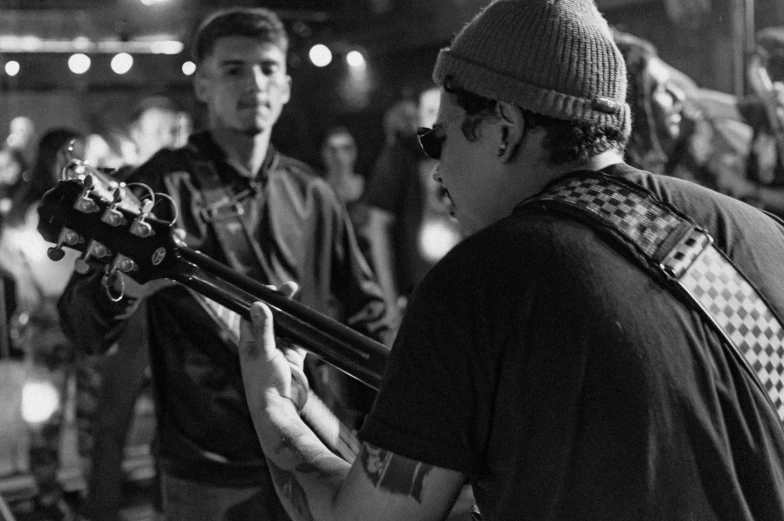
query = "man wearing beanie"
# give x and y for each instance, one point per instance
(558, 359)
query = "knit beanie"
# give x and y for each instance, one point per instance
(552, 57)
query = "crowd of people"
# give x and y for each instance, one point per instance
(531, 355)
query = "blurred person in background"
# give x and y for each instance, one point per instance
(291, 226)
(110, 149)
(39, 282)
(409, 224)
(22, 137)
(339, 157)
(681, 130)
(657, 97)
(155, 124)
(12, 168)
(762, 179)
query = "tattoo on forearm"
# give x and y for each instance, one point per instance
(394, 473)
(286, 480)
(287, 484)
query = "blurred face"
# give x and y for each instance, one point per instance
(244, 84)
(155, 129)
(469, 170)
(10, 170)
(339, 152)
(666, 100)
(428, 107)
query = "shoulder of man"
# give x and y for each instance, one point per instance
(296, 167)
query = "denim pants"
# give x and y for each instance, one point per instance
(191, 501)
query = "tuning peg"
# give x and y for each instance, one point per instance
(123, 264)
(112, 216)
(67, 236)
(140, 227)
(84, 203)
(94, 250)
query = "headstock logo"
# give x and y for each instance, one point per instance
(158, 256)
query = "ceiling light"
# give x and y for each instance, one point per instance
(12, 67)
(79, 63)
(355, 59)
(188, 68)
(122, 63)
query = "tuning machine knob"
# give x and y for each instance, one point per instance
(67, 237)
(94, 250)
(112, 216)
(84, 203)
(140, 227)
(123, 264)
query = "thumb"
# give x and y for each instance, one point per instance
(260, 334)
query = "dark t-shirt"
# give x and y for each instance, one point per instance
(543, 362)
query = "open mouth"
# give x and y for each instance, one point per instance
(448, 201)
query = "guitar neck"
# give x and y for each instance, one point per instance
(353, 353)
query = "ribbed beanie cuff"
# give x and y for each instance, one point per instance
(552, 57)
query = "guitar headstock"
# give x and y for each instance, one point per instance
(90, 212)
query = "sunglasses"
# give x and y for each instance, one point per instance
(432, 139)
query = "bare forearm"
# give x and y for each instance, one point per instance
(307, 476)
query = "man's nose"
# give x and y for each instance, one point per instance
(258, 80)
(437, 174)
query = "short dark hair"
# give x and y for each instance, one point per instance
(253, 22)
(337, 130)
(565, 141)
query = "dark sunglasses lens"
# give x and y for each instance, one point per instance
(430, 142)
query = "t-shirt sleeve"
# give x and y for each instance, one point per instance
(433, 404)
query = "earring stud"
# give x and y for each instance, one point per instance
(502, 148)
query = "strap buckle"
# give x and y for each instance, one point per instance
(681, 257)
(223, 212)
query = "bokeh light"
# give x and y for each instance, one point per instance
(122, 63)
(12, 67)
(79, 63)
(320, 55)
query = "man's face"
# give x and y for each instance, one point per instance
(154, 130)
(244, 84)
(468, 170)
(339, 152)
(666, 100)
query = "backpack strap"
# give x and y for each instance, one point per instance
(673, 245)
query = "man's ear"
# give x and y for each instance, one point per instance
(287, 93)
(513, 129)
(200, 86)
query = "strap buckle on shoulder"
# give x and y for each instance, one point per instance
(230, 210)
(688, 249)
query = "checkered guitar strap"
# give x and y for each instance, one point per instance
(684, 253)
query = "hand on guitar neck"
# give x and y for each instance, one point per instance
(270, 370)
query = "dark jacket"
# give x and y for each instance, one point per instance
(304, 235)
